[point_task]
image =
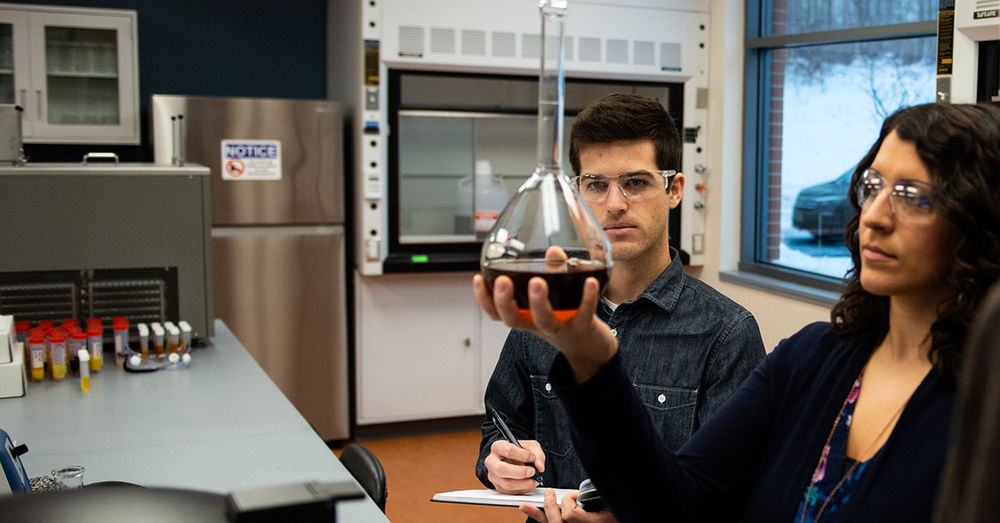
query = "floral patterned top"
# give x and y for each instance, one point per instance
(833, 465)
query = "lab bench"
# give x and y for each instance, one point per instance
(217, 426)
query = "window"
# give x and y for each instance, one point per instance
(821, 76)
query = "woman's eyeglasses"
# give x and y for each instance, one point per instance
(908, 199)
(633, 185)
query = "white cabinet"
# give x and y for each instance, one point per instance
(423, 349)
(74, 71)
(492, 334)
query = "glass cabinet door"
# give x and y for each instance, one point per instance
(83, 79)
(81, 76)
(6, 63)
(13, 56)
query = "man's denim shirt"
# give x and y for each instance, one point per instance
(686, 347)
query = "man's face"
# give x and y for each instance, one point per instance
(637, 228)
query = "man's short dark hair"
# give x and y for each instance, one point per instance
(621, 117)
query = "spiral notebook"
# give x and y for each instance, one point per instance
(491, 497)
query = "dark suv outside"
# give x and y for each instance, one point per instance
(824, 209)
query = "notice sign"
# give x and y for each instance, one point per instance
(251, 160)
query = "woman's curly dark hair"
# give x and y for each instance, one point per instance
(960, 146)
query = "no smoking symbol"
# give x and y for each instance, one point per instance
(235, 167)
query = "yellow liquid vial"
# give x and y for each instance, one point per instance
(58, 372)
(95, 363)
(85, 383)
(37, 373)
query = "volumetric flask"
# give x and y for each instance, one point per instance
(546, 229)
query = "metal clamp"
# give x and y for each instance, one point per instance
(102, 156)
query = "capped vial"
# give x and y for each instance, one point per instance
(143, 340)
(95, 341)
(57, 350)
(120, 326)
(36, 353)
(185, 337)
(158, 334)
(84, 356)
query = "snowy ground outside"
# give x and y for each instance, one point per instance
(817, 148)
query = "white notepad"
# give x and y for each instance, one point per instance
(491, 497)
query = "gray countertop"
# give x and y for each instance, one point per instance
(104, 168)
(217, 426)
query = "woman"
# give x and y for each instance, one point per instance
(844, 421)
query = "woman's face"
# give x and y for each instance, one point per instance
(904, 253)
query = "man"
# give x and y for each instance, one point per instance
(686, 346)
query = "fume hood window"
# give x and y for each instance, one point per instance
(813, 110)
(461, 145)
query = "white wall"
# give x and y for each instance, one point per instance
(777, 316)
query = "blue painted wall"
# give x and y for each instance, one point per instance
(215, 48)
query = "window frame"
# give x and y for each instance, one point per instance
(753, 269)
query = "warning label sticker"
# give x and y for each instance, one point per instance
(251, 160)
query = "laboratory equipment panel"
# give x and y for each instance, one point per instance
(95, 240)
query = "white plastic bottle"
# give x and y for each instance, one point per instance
(490, 198)
(463, 214)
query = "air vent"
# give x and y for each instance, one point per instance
(503, 44)
(474, 43)
(590, 49)
(643, 53)
(617, 51)
(42, 301)
(139, 300)
(670, 56)
(411, 41)
(139, 294)
(691, 134)
(530, 45)
(442, 40)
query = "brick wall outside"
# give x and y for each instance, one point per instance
(775, 118)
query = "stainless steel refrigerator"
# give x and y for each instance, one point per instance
(278, 241)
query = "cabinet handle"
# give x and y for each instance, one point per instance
(38, 100)
(105, 156)
(467, 342)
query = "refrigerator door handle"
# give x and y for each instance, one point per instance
(270, 230)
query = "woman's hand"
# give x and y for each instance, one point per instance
(567, 513)
(584, 339)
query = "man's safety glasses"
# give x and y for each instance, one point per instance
(633, 185)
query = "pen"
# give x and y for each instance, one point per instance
(505, 430)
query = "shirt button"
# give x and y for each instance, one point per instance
(614, 332)
(548, 387)
(661, 398)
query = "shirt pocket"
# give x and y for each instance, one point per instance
(672, 411)
(551, 420)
